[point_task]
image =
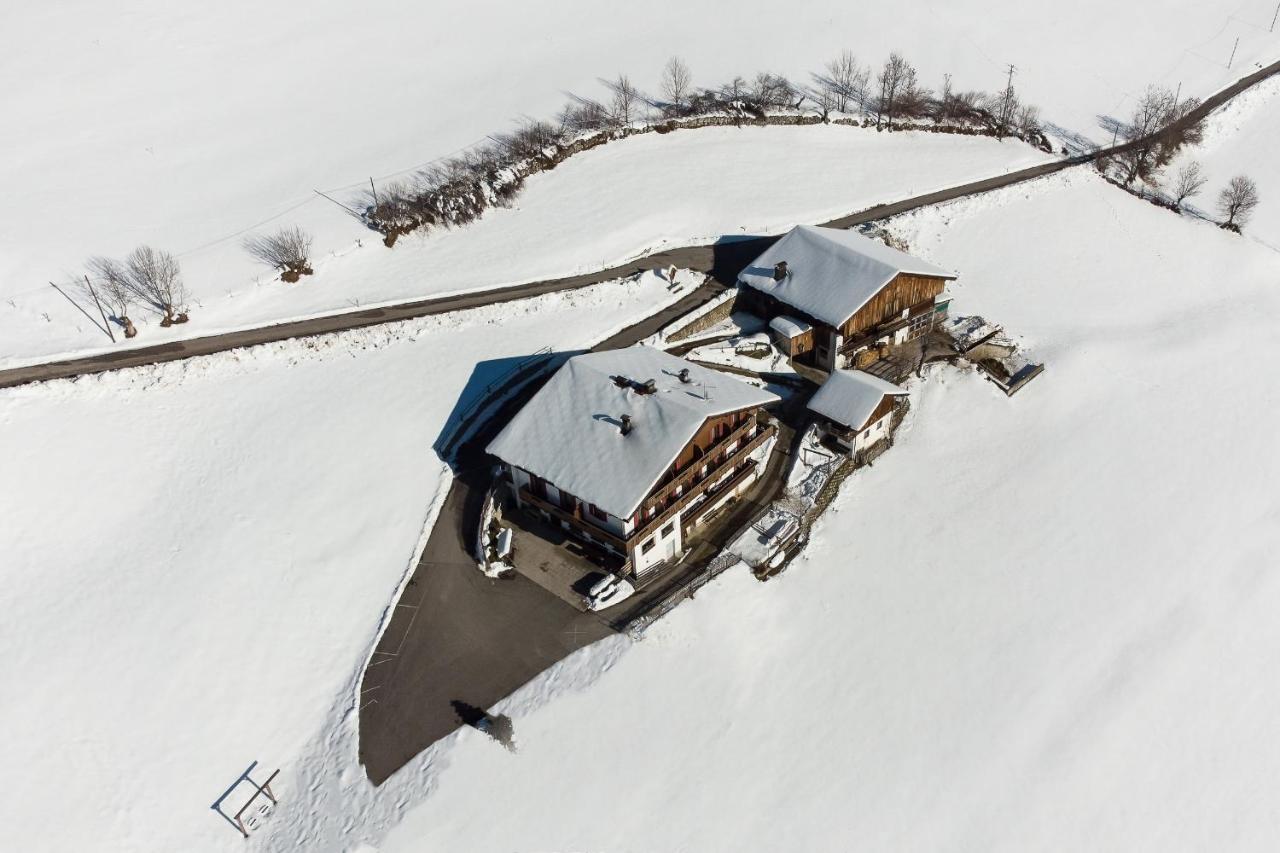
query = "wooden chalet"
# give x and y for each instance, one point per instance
(632, 450)
(855, 409)
(854, 294)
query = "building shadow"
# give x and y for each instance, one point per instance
(731, 254)
(495, 389)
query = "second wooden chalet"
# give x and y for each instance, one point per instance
(834, 296)
(632, 450)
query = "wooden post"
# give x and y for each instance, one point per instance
(80, 308)
(373, 190)
(105, 321)
(338, 203)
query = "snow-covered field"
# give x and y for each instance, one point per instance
(1241, 138)
(187, 127)
(197, 557)
(1039, 623)
(1044, 622)
(596, 210)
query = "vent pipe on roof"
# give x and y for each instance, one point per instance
(649, 386)
(779, 270)
(684, 375)
(626, 424)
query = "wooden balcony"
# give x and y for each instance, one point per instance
(575, 519)
(580, 522)
(728, 485)
(692, 474)
(702, 487)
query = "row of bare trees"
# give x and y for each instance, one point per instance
(1160, 125)
(1236, 201)
(457, 190)
(148, 277)
(152, 278)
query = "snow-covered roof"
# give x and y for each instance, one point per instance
(789, 327)
(850, 396)
(831, 272)
(570, 432)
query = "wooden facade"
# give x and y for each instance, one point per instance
(717, 459)
(904, 292)
(885, 407)
(915, 294)
(798, 345)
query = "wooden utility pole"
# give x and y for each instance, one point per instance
(338, 203)
(80, 308)
(1233, 52)
(1273, 19)
(1006, 109)
(105, 321)
(373, 190)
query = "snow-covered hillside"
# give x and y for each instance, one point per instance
(593, 211)
(186, 127)
(1241, 139)
(1044, 622)
(197, 557)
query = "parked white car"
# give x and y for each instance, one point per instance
(608, 591)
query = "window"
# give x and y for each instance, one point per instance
(597, 512)
(668, 530)
(648, 546)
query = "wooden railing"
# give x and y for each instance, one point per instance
(687, 497)
(728, 485)
(582, 523)
(575, 518)
(693, 473)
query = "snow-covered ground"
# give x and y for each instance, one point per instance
(197, 558)
(1044, 622)
(1241, 139)
(597, 209)
(754, 352)
(187, 127)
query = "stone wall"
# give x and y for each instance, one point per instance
(719, 311)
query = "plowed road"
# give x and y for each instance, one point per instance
(721, 261)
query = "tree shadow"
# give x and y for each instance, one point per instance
(1114, 126)
(1075, 143)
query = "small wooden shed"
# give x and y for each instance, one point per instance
(793, 337)
(855, 408)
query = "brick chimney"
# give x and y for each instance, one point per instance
(626, 424)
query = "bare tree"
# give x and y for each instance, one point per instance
(155, 277)
(113, 288)
(772, 91)
(582, 115)
(626, 101)
(1153, 111)
(676, 81)
(1028, 121)
(1188, 183)
(896, 77)
(944, 107)
(846, 81)
(1237, 201)
(287, 250)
